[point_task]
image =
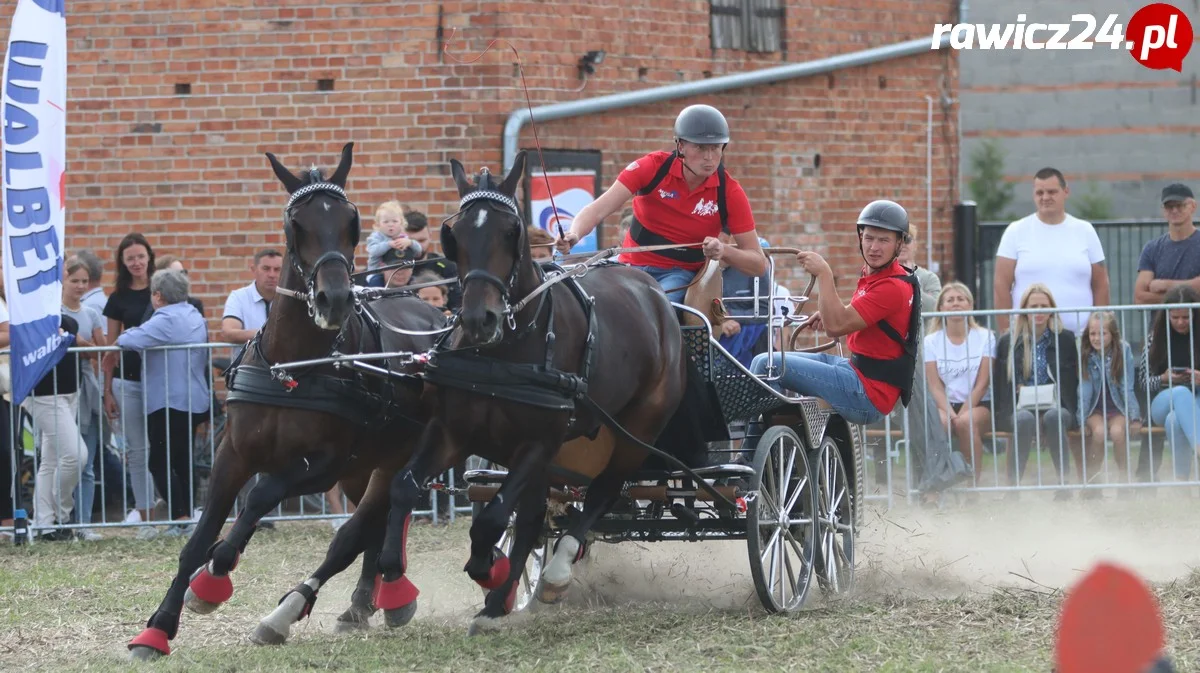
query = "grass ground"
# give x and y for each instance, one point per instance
(966, 589)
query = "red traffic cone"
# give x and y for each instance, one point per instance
(1110, 623)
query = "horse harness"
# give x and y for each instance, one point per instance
(537, 385)
(352, 399)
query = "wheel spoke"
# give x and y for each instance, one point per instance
(791, 573)
(785, 474)
(771, 543)
(775, 564)
(769, 484)
(835, 503)
(800, 488)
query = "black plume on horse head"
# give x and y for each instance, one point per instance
(483, 181)
(292, 181)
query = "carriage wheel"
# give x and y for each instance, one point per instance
(533, 566)
(780, 521)
(835, 520)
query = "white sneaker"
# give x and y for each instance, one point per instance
(88, 535)
(147, 533)
(133, 516)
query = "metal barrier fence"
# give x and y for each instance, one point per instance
(112, 486)
(1036, 440)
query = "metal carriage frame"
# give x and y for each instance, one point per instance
(796, 479)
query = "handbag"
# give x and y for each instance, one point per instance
(1044, 396)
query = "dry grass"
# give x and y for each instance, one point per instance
(973, 589)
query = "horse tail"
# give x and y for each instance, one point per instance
(696, 421)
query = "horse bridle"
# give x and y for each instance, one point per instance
(505, 287)
(298, 198)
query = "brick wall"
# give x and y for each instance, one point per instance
(189, 171)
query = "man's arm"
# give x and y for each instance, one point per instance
(232, 332)
(1100, 287)
(595, 212)
(1002, 284)
(748, 256)
(839, 319)
(1142, 294)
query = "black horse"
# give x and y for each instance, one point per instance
(507, 379)
(310, 430)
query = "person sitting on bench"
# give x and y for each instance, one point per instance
(882, 322)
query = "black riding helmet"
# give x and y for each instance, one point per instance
(703, 125)
(884, 214)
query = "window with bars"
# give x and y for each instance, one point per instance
(747, 25)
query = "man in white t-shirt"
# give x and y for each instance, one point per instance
(247, 307)
(1053, 248)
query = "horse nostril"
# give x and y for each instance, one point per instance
(322, 300)
(491, 319)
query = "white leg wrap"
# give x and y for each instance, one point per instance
(558, 571)
(288, 612)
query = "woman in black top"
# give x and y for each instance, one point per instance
(129, 306)
(1169, 375)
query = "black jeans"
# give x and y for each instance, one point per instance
(169, 432)
(6, 460)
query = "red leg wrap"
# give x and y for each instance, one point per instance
(392, 595)
(155, 639)
(498, 574)
(210, 588)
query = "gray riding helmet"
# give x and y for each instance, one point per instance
(885, 214)
(703, 125)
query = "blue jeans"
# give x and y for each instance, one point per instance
(85, 494)
(671, 280)
(828, 377)
(1178, 410)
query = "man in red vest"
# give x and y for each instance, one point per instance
(882, 324)
(685, 197)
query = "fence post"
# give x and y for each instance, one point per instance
(966, 244)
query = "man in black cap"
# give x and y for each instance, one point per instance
(1173, 258)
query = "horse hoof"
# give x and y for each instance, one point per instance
(142, 653)
(400, 616)
(265, 634)
(149, 645)
(353, 620)
(197, 604)
(550, 594)
(481, 625)
(353, 626)
(210, 588)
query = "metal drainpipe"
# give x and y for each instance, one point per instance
(544, 113)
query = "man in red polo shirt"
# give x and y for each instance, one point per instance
(882, 321)
(684, 197)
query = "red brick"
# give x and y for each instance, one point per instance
(201, 188)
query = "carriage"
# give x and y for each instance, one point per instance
(793, 472)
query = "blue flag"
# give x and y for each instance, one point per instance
(34, 123)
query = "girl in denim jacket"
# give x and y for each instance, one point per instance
(1106, 400)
